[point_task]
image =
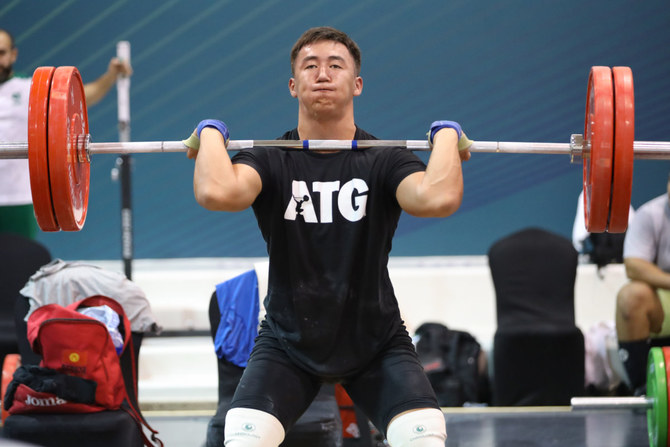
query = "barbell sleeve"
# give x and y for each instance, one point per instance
(611, 403)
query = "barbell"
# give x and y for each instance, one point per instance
(59, 148)
(655, 401)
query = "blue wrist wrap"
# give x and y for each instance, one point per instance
(437, 125)
(218, 125)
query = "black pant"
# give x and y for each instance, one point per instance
(392, 383)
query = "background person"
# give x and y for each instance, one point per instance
(644, 302)
(16, 209)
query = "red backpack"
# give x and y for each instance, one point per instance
(80, 371)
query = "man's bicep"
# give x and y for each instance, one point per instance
(250, 183)
(406, 192)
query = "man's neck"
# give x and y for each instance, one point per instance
(344, 129)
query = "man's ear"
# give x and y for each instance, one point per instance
(291, 87)
(358, 86)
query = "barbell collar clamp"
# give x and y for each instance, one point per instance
(577, 149)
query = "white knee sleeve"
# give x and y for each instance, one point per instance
(246, 427)
(419, 428)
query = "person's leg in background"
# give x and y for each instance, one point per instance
(640, 316)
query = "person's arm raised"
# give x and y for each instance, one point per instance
(437, 191)
(218, 184)
(96, 90)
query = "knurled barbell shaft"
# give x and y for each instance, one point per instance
(611, 403)
(20, 150)
(415, 145)
(653, 150)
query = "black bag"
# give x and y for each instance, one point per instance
(450, 359)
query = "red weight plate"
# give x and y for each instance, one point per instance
(69, 170)
(624, 136)
(38, 163)
(597, 162)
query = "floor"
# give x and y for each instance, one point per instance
(539, 428)
(487, 427)
(469, 427)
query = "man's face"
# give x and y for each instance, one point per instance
(7, 57)
(325, 77)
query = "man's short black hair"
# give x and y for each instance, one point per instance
(326, 33)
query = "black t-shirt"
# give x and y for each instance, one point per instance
(328, 220)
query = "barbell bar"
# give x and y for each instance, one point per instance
(59, 148)
(655, 402)
(648, 150)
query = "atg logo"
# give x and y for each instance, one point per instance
(44, 401)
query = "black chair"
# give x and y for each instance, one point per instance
(538, 351)
(20, 257)
(104, 429)
(320, 425)
(107, 428)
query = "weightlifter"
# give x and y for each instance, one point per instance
(16, 209)
(328, 220)
(644, 302)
